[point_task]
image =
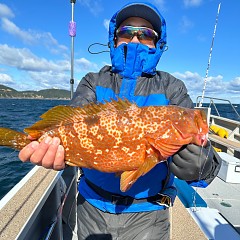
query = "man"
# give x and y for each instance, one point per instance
(137, 39)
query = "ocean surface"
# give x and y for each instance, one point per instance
(21, 113)
(18, 114)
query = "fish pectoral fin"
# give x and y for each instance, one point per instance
(165, 149)
(128, 178)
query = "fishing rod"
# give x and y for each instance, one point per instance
(72, 34)
(201, 102)
(210, 56)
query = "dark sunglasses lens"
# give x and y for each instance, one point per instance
(145, 35)
(125, 33)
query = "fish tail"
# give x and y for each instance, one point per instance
(13, 139)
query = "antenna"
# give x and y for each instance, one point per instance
(72, 34)
(210, 56)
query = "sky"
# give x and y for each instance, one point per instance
(35, 46)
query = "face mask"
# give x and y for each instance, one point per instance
(134, 59)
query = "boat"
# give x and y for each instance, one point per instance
(43, 204)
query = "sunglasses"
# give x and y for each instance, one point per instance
(145, 35)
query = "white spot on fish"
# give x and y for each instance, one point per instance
(71, 135)
(98, 152)
(131, 154)
(126, 150)
(140, 136)
(148, 151)
(100, 137)
(165, 135)
(124, 120)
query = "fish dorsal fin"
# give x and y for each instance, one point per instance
(120, 104)
(65, 115)
(54, 117)
(94, 108)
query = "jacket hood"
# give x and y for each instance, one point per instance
(152, 57)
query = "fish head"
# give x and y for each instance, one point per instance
(193, 126)
(178, 126)
(200, 119)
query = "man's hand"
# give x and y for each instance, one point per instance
(192, 162)
(49, 153)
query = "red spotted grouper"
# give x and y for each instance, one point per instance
(116, 137)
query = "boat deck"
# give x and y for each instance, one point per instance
(183, 225)
(25, 204)
(225, 197)
(26, 207)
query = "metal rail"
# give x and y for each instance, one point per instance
(72, 34)
(212, 103)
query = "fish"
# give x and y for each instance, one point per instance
(116, 136)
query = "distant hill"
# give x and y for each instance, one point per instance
(7, 92)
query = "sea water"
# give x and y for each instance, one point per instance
(18, 114)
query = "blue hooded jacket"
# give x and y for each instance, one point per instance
(133, 76)
(130, 61)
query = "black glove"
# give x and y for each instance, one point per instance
(192, 162)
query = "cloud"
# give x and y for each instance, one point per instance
(38, 73)
(5, 11)
(24, 59)
(234, 85)
(94, 6)
(215, 85)
(160, 4)
(185, 24)
(30, 37)
(9, 27)
(106, 23)
(5, 79)
(82, 64)
(192, 3)
(49, 79)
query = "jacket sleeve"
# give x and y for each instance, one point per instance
(176, 92)
(85, 92)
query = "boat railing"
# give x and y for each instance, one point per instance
(212, 102)
(227, 136)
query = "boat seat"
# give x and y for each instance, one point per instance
(225, 142)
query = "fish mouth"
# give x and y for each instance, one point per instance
(201, 124)
(200, 139)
